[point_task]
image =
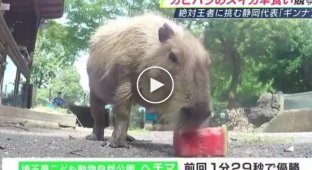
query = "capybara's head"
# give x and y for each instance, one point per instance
(187, 60)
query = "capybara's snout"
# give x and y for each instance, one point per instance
(194, 115)
(199, 110)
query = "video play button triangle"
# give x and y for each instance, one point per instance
(154, 89)
(154, 85)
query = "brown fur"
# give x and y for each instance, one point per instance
(121, 49)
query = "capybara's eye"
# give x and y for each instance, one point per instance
(173, 57)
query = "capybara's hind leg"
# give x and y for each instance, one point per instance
(100, 116)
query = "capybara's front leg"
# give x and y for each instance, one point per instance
(100, 116)
(119, 136)
(121, 111)
(129, 137)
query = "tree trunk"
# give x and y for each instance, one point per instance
(235, 61)
(231, 54)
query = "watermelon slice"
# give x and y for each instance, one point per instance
(205, 142)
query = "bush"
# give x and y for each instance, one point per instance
(238, 120)
(219, 106)
(136, 120)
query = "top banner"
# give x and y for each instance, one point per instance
(235, 3)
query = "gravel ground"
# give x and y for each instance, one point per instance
(57, 143)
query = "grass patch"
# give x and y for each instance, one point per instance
(260, 138)
(137, 131)
(45, 109)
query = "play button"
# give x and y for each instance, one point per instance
(155, 85)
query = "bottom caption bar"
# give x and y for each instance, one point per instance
(157, 164)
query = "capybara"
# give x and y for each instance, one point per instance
(122, 48)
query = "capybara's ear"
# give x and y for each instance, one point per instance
(165, 32)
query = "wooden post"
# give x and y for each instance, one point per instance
(31, 96)
(26, 97)
(12, 50)
(16, 86)
(2, 60)
(1, 12)
(280, 100)
(2, 67)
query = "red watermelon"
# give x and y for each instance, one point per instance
(207, 142)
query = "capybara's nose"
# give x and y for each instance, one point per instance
(199, 110)
(194, 116)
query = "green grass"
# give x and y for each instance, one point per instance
(45, 109)
(260, 138)
(137, 131)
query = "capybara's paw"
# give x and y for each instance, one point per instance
(130, 138)
(92, 136)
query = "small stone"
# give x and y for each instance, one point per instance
(105, 143)
(290, 149)
(71, 137)
(233, 139)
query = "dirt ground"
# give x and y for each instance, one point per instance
(40, 142)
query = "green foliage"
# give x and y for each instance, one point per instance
(52, 53)
(250, 88)
(264, 55)
(84, 16)
(67, 82)
(290, 59)
(53, 69)
(136, 118)
(274, 56)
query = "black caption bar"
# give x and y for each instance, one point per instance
(243, 13)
